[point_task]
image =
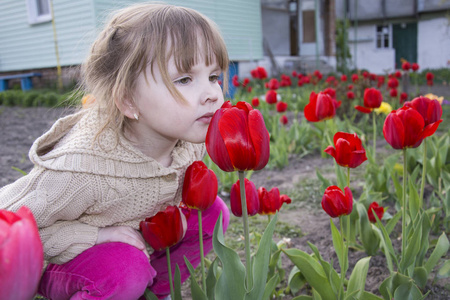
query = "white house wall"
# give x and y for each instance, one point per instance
(434, 49)
(369, 57)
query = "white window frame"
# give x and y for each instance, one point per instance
(33, 13)
(389, 36)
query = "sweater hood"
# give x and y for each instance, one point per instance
(72, 145)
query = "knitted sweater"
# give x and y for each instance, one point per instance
(80, 184)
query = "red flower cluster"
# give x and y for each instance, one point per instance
(259, 201)
(320, 107)
(273, 84)
(372, 100)
(259, 73)
(349, 151)
(271, 96)
(408, 126)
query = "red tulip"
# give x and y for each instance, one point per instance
(283, 120)
(237, 138)
(415, 67)
(429, 76)
(350, 95)
(251, 197)
(350, 87)
(294, 73)
(331, 92)
(379, 211)
(281, 106)
(406, 66)
(403, 97)
(393, 83)
(270, 201)
(320, 107)
(245, 82)
(355, 78)
(431, 110)
(271, 97)
(372, 100)
(398, 74)
(235, 81)
(335, 203)
(349, 151)
(259, 73)
(21, 255)
(164, 229)
(273, 84)
(200, 186)
(255, 102)
(343, 77)
(380, 81)
(249, 89)
(318, 74)
(405, 128)
(393, 93)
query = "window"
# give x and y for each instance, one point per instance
(309, 26)
(383, 34)
(38, 11)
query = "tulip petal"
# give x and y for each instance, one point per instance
(394, 131)
(330, 150)
(413, 125)
(357, 158)
(325, 107)
(216, 146)
(260, 138)
(310, 108)
(343, 151)
(233, 127)
(363, 109)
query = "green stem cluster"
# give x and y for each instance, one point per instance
(202, 256)
(404, 208)
(169, 268)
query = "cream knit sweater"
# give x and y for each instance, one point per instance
(78, 186)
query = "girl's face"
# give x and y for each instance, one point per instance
(163, 118)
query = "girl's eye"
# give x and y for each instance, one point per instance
(184, 80)
(213, 78)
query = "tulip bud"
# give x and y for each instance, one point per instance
(335, 203)
(200, 186)
(251, 197)
(21, 255)
(379, 211)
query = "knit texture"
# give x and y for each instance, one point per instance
(80, 184)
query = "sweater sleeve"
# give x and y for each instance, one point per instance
(57, 200)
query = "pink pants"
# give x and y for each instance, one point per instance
(120, 271)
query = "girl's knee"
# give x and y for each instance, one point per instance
(105, 271)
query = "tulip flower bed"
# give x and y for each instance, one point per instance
(362, 212)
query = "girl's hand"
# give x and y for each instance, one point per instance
(122, 234)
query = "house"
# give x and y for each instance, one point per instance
(28, 39)
(383, 33)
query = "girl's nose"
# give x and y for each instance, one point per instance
(210, 92)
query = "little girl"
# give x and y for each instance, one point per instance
(153, 74)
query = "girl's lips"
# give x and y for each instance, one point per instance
(206, 118)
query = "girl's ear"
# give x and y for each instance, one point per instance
(127, 107)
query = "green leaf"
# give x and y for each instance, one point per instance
(211, 278)
(177, 282)
(302, 297)
(390, 225)
(270, 286)
(412, 246)
(341, 177)
(230, 284)
(357, 281)
(408, 291)
(440, 250)
(149, 295)
(296, 280)
(386, 243)
(444, 271)
(420, 277)
(369, 239)
(414, 201)
(196, 290)
(369, 296)
(312, 271)
(261, 262)
(337, 242)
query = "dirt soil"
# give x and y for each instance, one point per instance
(19, 127)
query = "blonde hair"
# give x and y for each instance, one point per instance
(142, 35)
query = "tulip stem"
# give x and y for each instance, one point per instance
(344, 254)
(169, 268)
(424, 171)
(202, 255)
(374, 125)
(405, 174)
(348, 177)
(248, 263)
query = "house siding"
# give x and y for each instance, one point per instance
(24, 46)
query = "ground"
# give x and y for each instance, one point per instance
(304, 221)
